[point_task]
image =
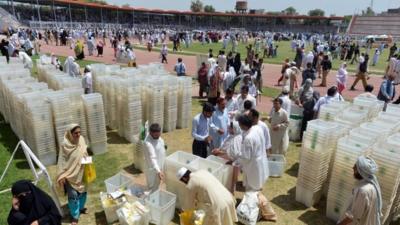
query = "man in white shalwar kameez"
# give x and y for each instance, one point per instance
(220, 119)
(231, 103)
(366, 205)
(87, 81)
(279, 121)
(154, 155)
(287, 103)
(253, 158)
(208, 194)
(264, 130)
(268, 213)
(243, 97)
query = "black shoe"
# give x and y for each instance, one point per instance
(83, 211)
(352, 89)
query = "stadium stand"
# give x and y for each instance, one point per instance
(7, 20)
(375, 25)
(68, 12)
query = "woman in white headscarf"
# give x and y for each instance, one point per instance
(71, 67)
(306, 91)
(366, 205)
(229, 77)
(341, 78)
(91, 43)
(230, 149)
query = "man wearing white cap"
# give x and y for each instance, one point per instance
(87, 82)
(287, 103)
(208, 194)
(366, 204)
(253, 159)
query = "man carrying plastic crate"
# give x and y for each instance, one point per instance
(208, 194)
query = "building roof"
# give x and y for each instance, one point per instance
(160, 11)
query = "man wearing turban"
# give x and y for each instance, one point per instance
(366, 205)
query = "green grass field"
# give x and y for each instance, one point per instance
(280, 191)
(284, 51)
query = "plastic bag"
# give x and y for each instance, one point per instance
(89, 174)
(192, 217)
(266, 210)
(247, 211)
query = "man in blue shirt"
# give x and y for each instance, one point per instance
(220, 119)
(387, 91)
(200, 131)
(180, 68)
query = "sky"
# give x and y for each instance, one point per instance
(337, 7)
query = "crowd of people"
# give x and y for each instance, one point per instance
(229, 126)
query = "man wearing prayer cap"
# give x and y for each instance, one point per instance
(208, 194)
(366, 205)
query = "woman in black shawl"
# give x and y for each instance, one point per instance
(32, 206)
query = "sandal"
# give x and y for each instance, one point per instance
(83, 211)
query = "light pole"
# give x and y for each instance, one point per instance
(12, 5)
(54, 12)
(38, 11)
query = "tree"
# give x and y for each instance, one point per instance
(101, 2)
(368, 12)
(316, 12)
(273, 13)
(209, 9)
(196, 6)
(126, 6)
(347, 19)
(290, 11)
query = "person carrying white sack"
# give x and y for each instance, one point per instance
(26, 60)
(154, 155)
(71, 67)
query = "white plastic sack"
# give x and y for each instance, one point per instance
(247, 211)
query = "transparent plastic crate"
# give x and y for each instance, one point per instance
(276, 165)
(307, 197)
(128, 214)
(178, 160)
(203, 164)
(226, 173)
(162, 207)
(118, 182)
(111, 206)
